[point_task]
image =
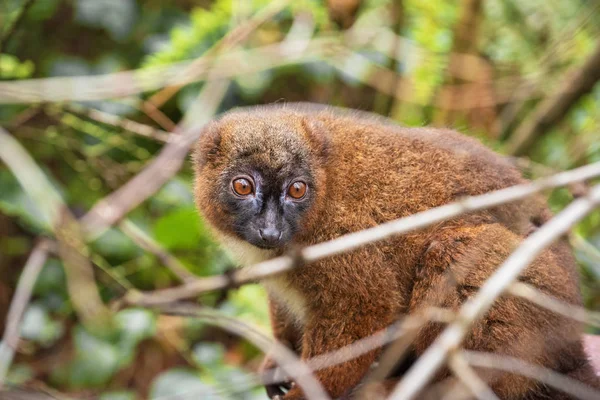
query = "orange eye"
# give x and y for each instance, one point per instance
(297, 190)
(242, 186)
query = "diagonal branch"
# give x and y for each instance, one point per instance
(29, 275)
(546, 376)
(357, 239)
(289, 361)
(427, 365)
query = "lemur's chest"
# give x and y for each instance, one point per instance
(278, 287)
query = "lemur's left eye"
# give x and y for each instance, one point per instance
(242, 186)
(297, 190)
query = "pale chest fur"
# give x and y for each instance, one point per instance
(279, 287)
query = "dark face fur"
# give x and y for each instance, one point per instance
(257, 178)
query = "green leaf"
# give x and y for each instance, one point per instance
(115, 245)
(208, 354)
(14, 202)
(180, 229)
(136, 324)
(121, 395)
(39, 327)
(181, 382)
(96, 360)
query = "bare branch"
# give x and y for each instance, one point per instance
(461, 369)
(126, 124)
(355, 240)
(430, 361)
(288, 361)
(149, 244)
(535, 296)
(546, 376)
(58, 219)
(19, 303)
(115, 206)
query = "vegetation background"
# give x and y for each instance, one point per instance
(519, 75)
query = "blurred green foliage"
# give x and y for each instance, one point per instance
(86, 160)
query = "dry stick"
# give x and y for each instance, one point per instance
(56, 217)
(126, 124)
(361, 346)
(553, 109)
(355, 240)
(27, 280)
(433, 358)
(150, 245)
(128, 83)
(230, 64)
(115, 206)
(286, 358)
(546, 376)
(465, 374)
(553, 304)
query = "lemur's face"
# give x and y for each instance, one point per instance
(258, 179)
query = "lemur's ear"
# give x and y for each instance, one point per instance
(209, 145)
(317, 136)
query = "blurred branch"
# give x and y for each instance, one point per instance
(433, 358)
(80, 278)
(551, 111)
(123, 123)
(357, 239)
(541, 299)
(116, 205)
(231, 39)
(286, 358)
(150, 245)
(546, 376)
(18, 305)
(562, 43)
(238, 62)
(7, 34)
(465, 374)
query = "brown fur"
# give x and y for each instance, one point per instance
(369, 171)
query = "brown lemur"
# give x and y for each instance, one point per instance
(273, 178)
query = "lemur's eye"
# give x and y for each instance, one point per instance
(242, 186)
(297, 190)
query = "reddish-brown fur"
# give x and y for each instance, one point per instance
(370, 171)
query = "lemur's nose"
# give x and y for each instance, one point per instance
(270, 235)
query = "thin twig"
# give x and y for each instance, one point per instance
(19, 303)
(433, 358)
(57, 218)
(149, 244)
(288, 361)
(115, 206)
(465, 374)
(126, 124)
(355, 240)
(553, 304)
(546, 376)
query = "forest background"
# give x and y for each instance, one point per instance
(519, 76)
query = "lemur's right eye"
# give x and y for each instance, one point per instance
(242, 186)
